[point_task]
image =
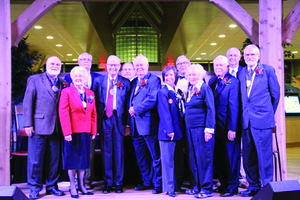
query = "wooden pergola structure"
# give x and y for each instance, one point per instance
(269, 33)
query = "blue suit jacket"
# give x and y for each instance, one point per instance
(226, 104)
(123, 92)
(93, 75)
(144, 104)
(200, 110)
(170, 119)
(259, 108)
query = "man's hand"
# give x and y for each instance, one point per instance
(127, 131)
(171, 135)
(29, 131)
(131, 111)
(93, 137)
(68, 138)
(207, 136)
(231, 135)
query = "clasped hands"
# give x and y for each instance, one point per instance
(69, 137)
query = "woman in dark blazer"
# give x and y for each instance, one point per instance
(170, 108)
(78, 118)
(200, 124)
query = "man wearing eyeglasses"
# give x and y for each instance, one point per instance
(112, 94)
(182, 63)
(260, 92)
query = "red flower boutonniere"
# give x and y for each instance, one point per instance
(65, 84)
(258, 71)
(143, 83)
(226, 81)
(197, 92)
(120, 85)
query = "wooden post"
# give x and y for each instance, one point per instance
(31, 15)
(5, 91)
(270, 42)
(291, 24)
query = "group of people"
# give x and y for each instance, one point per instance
(210, 116)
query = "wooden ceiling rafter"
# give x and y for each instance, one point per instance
(121, 10)
(153, 12)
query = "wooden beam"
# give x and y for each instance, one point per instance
(5, 91)
(291, 24)
(31, 15)
(270, 42)
(238, 14)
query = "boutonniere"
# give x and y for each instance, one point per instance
(120, 85)
(258, 71)
(144, 82)
(170, 101)
(197, 92)
(90, 98)
(65, 84)
(226, 81)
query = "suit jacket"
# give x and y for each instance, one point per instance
(200, 110)
(40, 104)
(74, 118)
(259, 108)
(144, 104)
(123, 92)
(226, 104)
(93, 75)
(170, 119)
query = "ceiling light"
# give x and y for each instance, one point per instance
(294, 51)
(232, 26)
(38, 27)
(74, 59)
(50, 37)
(59, 45)
(203, 53)
(69, 54)
(222, 36)
(198, 58)
(213, 44)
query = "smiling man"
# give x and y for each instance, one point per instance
(40, 122)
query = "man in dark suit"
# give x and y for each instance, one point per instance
(260, 97)
(227, 146)
(234, 55)
(40, 122)
(112, 94)
(144, 124)
(86, 60)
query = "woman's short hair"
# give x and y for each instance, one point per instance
(198, 68)
(168, 68)
(76, 69)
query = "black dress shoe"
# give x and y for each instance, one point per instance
(190, 192)
(141, 187)
(76, 196)
(249, 193)
(106, 190)
(220, 190)
(119, 189)
(229, 193)
(85, 193)
(156, 190)
(33, 195)
(55, 192)
(171, 194)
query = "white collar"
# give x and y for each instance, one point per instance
(199, 84)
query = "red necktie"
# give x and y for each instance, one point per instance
(110, 100)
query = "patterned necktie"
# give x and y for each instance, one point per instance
(110, 100)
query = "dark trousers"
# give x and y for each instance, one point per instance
(112, 152)
(148, 157)
(227, 162)
(38, 147)
(201, 159)
(258, 156)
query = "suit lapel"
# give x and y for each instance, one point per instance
(76, 96)
(104, 88)
(242, 78)
(146, 78)
(257, 80)
(47, 85)
(134, 83)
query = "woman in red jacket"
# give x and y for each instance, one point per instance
(78, 118)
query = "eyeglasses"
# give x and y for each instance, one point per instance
(113, 65)
(251, 54)
(85, 59)
(182, 63)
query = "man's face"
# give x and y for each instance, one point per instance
(193, 76)
(182, 64)
(128, 71)
(85, 60)
(141, 67)
(233, 56)
(53, 66)
(113, 65)
(170, 78)
(220, 68)
(251, 56)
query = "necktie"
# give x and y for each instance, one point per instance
(219, 85)
(232, 72)
(110, 100)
